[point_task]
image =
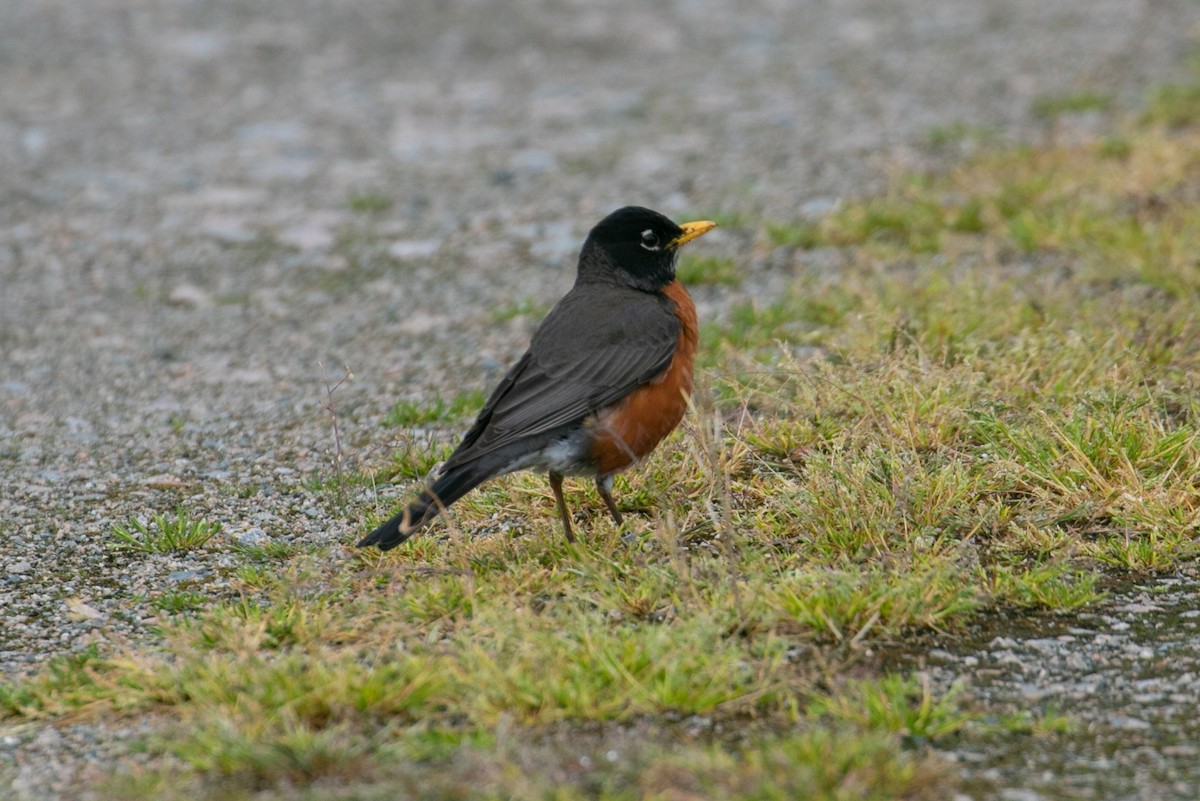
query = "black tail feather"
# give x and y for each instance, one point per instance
(447, 489)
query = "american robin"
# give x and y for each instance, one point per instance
(607, 376)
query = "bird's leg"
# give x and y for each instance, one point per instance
(604, 487)
(556, 480)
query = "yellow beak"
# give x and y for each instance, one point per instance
(691, 230)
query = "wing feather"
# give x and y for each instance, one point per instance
(593, 348)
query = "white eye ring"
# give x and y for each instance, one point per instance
(649, 239)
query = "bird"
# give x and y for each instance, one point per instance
(607, 376)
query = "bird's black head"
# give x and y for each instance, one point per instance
(636, 246)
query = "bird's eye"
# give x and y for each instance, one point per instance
(649, 239)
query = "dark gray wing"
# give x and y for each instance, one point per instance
(595, 347)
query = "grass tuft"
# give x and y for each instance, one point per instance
(846, 605)
(595, 672)
(1174, 105)
(1053, 106)
(798, 234)
(369, 202)
(68, 683)
(903, 705)
(708, 270)
(163, 533)
(438, 410)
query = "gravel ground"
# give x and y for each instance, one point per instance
(1126, 677)
(180, 252)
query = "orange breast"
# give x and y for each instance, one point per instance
(627, 431)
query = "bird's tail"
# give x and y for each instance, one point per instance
(448, 488)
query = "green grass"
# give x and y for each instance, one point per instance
(1043, 722)
(850, 604)
(990, 409)
(1052, 106)
(798, 234)
(436, 410)
(720, 270)
(175, 602)
(525, 307)
(369, 202)
(270, 550)
(67, 683)
(413, 461)
(959, 132)
(1175, 105)
(163, 533)
(898, 704)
